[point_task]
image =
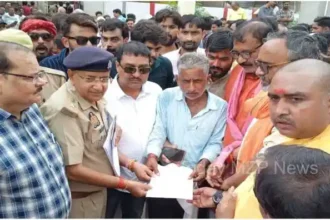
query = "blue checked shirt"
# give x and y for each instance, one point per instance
(33, 183)
(200, 136)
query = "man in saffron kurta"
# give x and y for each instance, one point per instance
(299, 107)
(242, 85)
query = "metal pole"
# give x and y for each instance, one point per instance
(326, 8)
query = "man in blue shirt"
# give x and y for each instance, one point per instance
(191, 118)
(33, 182)
(79, 30)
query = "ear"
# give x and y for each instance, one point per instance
(65, 42)
(70, 75)
(125, 40)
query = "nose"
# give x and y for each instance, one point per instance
(240, 59)
(41, 82)
(259, 72)
(281, 108)
(89, 44)
(40, 40)
(189, 37)
(216, 63)
(98, 85)
(191, 87)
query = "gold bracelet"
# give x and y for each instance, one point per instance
(131, 164)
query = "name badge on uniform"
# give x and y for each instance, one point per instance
(94, 120)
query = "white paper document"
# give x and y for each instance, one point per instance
(172, 182)
(110, 148)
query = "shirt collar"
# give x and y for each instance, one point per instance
(4, 115)
(211, 104)
(120, 93)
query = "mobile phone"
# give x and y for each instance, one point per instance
(173, 154)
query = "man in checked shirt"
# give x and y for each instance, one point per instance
(33, 183)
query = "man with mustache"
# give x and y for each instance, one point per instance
(133, 100)
(33, 181)
(77, 116)
(55, 78)
(114, 33)
(190, 36)
(193, 119)
(279, 50)
(153, 36)
(171, 21)
(218, 49)
(299, 108)
(242, 85)
(42, 33)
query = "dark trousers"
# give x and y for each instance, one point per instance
(164, 208)
(131, 207)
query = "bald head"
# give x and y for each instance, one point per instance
(311, 70)
(300, 98)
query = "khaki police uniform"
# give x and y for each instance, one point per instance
(80, 129)
(55, 79)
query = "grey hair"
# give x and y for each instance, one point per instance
(194, 60)
(5, 48)
(300, 44)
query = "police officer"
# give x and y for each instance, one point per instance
(55, 78)
(76, 115)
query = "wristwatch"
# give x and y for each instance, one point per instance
(217, 197)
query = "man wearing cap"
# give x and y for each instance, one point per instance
(76, 115)
(42, 33)
(33, 182)
(55, 78)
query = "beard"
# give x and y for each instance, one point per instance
(42, 51)
(190, 46)
(170, 40)
(218, 73)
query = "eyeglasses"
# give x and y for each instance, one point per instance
(41, 75)
(82, 41)
(92, 79)
(133, 69)
(265, 66)
(44, 36)
(245, 54)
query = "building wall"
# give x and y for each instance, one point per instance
(310, 10)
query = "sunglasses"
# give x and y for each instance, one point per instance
(82, 41)
(44, 36)
(133, 69)
(265, 66)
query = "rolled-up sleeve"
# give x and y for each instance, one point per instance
(214, 145)
(158, 134)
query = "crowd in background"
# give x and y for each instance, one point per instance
(236, 98)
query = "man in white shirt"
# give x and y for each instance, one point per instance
(11, 19)
(190, 36)
(132, 99)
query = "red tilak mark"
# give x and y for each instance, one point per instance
(280, 91)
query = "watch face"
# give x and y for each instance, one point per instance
(217, 197)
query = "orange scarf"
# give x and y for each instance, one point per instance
(253, 141)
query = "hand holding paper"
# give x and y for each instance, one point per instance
(173, 182)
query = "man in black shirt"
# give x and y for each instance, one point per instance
(153, 36)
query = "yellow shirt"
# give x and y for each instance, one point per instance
(236, 15)
(247, 205)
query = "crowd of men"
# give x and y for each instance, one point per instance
(247, 101)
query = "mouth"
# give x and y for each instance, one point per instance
(42, 50)
(283, 125)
